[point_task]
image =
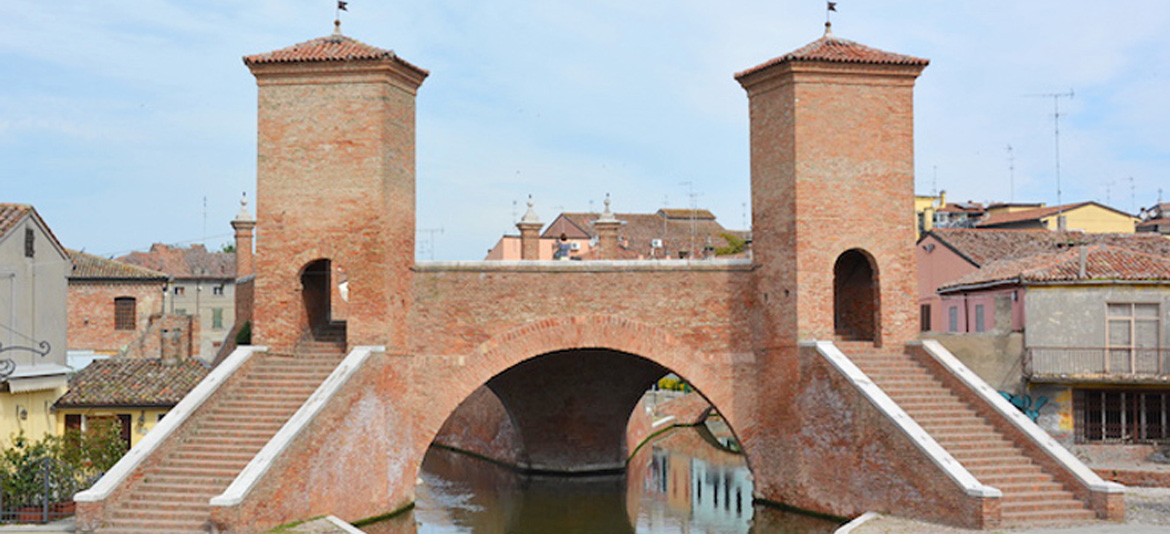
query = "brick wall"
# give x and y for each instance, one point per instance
(342, 133)
(91, 313)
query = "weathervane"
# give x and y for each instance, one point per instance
(830, 7)
(341, 6)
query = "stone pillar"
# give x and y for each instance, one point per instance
(243, 225)
(607, 227)
(530, 227)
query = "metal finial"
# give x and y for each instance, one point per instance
(243, 215)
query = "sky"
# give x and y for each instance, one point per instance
(130, 123)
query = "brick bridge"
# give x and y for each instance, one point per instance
(807, 349)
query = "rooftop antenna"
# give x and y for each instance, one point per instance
(1132, 196)
(745, 217)
(694, 207)
(430, 241)
(204, 234)
(341, 6)
(1011, 174)
(1056, 139)
(1108, 187)
(515, 213)
(934, 181)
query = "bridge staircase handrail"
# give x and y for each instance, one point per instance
(243, 484)
(1020, 421)
(920, 437)
(175, 418)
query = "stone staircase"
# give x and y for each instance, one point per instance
(172, 497)
(1031, 495)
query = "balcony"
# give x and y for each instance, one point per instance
(1098, 364)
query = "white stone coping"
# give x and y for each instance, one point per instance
(1085, 475)
(955, 470)
(165, 428)
(345, 527)
(262, 462)
(857, 522)
(735, 264)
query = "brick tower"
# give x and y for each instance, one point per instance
(832, 163)
(335, 184)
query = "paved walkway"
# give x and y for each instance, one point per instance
(1147, 512)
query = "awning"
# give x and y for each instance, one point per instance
(38, 378)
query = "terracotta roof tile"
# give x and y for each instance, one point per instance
(832, 49)
(1101, 262)
(11, 214)
(90, 267)
(982, 246)
(329, 48)
(194, 262)
(642, 228)
(133, 382)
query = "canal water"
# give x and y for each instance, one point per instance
(681, 482)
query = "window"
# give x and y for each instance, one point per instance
(217, 290)
(217, 318)
(924, 317)
(179, 290)
(124, 313)
(30, 240)
(979, 318)
(953, 318)
(1122, 416)
(1132, 338)
(73, 421)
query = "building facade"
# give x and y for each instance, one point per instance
(202, 285)
(111, 304)
(33, 271)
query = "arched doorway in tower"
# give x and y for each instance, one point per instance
(324, 293)
(856, 297)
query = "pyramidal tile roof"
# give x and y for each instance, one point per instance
(334, 47)
(831, 49)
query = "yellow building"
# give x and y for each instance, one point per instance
(137, 392)
(1089, 217)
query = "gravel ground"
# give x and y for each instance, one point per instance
(1147, 511)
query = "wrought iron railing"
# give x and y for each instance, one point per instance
(41, 492)
(1080, 361)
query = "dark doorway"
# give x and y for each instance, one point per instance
(316, 293)
(856, 302)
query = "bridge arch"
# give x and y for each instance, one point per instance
(493, 360)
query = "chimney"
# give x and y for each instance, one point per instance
(529, 234)
(1084, 259)
(928, 219)
(243, 225)
(607, 233)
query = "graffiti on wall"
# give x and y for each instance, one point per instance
(1024, 403)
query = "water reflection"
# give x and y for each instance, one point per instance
(678, 483)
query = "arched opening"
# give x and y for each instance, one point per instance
(856, 298)
(324, 292)
(550, 427)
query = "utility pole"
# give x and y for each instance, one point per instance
(1056, 138)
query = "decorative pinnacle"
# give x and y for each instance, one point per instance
(530, 216)
(336, 26)
(828, 29)
(243, 215)
(607, 216)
